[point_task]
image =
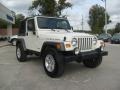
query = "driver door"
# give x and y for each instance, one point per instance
(31, 37)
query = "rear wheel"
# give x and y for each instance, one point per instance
(53, 63)
(20, 53)
(93, 63)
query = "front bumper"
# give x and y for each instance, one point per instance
(85, 55)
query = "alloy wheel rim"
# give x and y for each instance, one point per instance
(49, 63)
(18, 53)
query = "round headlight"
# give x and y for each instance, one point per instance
(74, 42)
(95, 40)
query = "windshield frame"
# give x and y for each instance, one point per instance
(68, 27)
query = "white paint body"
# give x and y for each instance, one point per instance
(35, 42)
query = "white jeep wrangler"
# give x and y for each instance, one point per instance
(55, 42)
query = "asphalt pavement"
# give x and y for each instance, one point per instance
(30, 75)
(4, 43)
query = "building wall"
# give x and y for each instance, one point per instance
(3, 32)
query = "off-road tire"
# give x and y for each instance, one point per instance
(93, 63)
(59, 63)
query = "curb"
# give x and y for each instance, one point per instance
(4, 45)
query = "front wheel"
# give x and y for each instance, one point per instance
(93, 63)
(53, 63)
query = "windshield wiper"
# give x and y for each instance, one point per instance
(44, 27)
(53, 29)
(64, 29)
(48, 28)
(67, 30)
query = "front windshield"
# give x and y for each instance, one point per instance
(52, 23)
(116, 36)
(104, 36)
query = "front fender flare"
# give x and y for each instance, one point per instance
(21, 41)
(53, 45)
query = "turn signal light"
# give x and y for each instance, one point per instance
(68, 45)
(58, 45)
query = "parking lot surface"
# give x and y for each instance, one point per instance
(4, 43)
(30, 75)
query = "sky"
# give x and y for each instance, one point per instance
(80, 8)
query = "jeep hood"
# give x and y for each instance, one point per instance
(61, 34)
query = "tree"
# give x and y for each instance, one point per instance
(50, 7)
(117, 28)
(20, 16)
(18, 19)
(62, 4)
(111, 31)
(97, 19)
(3, 24)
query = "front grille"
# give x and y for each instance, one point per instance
(85, 43)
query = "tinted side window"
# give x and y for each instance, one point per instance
(31, 25)
(22, 28)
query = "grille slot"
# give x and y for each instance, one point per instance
(85, 44)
